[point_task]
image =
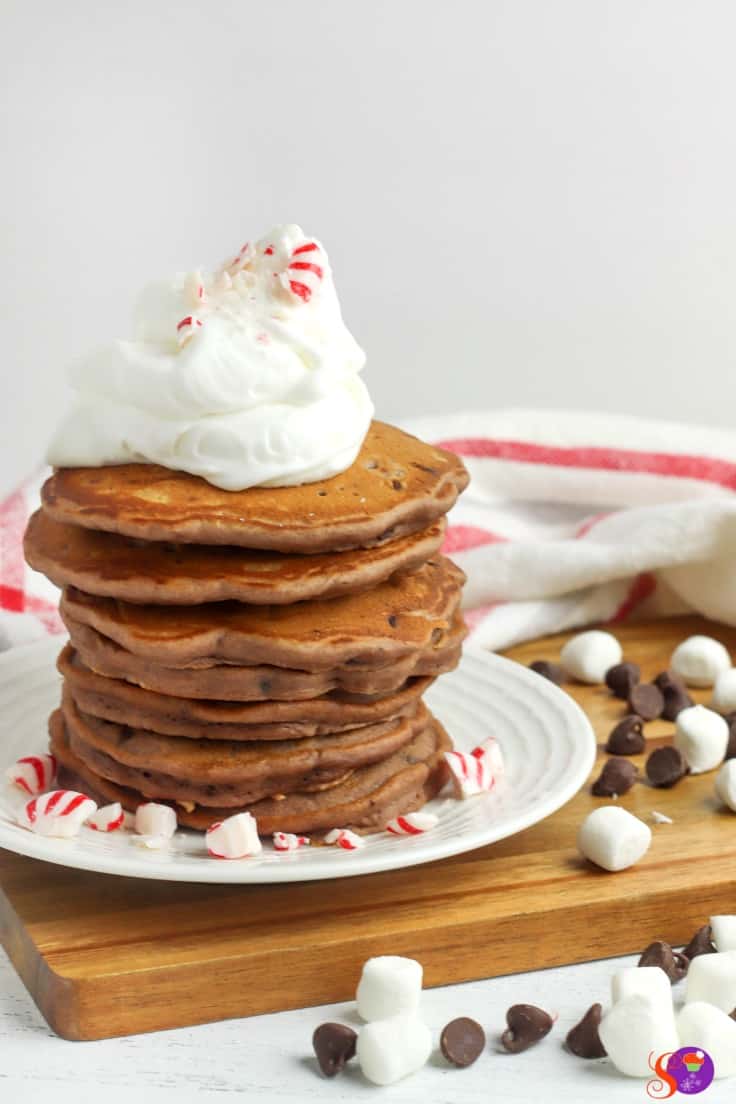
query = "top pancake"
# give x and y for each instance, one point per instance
(396, 486)
(112, 566)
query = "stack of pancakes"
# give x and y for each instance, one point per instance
(262, 650)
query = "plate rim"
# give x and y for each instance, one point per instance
(15, 839)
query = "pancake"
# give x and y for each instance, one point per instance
(122, 702)
(228, 682)
(397, 485)
(367, 800)
(188, 574)
(225, 773)
(395, 620)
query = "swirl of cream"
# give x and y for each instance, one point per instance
(246, 377)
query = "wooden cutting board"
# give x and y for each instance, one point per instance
(105, 956)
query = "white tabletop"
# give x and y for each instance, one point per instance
(269, 1058)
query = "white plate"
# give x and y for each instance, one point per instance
(546, 739)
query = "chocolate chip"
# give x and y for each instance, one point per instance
(527, 1025)
(551, 671)
(646, 700)
(731, 745)
(674, 692)
(665, 766)
(733, 1014)
(701, 943)
(627, 738)
(622, 679)
(617, 777)
(583, 1039)
(334, 1045)
(393, 620)
(666, 680)
(675, 700)
(462, 1041)
(659, 953)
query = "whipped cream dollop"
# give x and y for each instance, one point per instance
(246, 376)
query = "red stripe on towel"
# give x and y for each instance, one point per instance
(707, 469)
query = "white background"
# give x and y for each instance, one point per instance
(526, 202)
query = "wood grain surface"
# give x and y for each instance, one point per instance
(106, 956)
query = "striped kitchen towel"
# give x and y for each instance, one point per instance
(570, 519)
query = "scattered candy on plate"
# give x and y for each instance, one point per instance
(287, 841)
(412, 824)
(59, 813)
(477, 771)
(34, 774)
(236, 837)
(343, 837)
(152, 819)
(110, 818)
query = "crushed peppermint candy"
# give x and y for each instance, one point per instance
(412, 824)
(34, 774)
(343, 837)
(287, 841)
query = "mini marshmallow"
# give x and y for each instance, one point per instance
(726, 784)
(287, 841)
(723, 929)
(612, 838)
(344, 838)
(704, 1026)
(110, 818)
(59, 813)
(152, 819)
(412, 824)
(34, 774)
(388, 1050)
(724, 692)
(636, 1027)
(389, 985)
(699, 660)
(702, 737)
(643, 981)
(236, 837)
(589, 655)
(712, 978)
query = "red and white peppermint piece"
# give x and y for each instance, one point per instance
(240, 261)
(305, 271)
(107, 819)
(490, 749)
(236, 837)
(475, 772)
(412, 824)
(34, 773)
(152, 819)
(343, 837)
(287, 841)
(59, 813)
(187, 328)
